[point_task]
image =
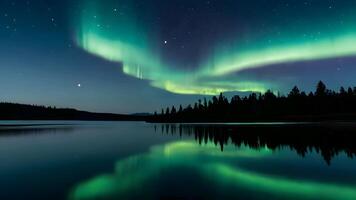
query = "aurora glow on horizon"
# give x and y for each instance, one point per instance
(131, 36)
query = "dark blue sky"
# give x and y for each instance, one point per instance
(184, 49)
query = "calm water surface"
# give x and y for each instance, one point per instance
(136, 160)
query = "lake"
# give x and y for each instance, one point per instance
(136, 160)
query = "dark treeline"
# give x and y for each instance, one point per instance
(328, 140)
(13, 111)
(323, 104)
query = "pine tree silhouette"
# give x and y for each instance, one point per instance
(323, 104)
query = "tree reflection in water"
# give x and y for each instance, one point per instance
(327, 140)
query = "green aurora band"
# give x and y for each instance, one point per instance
(138, 172)
(128, 40)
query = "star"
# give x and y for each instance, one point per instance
(165, 42)
(79, 85)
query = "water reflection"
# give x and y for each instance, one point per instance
(19, 130)
(328, 141)
(245, 165)
(187, 170)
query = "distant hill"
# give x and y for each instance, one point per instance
(14, 111)
(142, 114)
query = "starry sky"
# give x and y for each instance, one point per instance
(128, 56)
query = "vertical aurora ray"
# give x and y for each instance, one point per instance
(117, 38)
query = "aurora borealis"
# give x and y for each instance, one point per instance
(170, 52)
(132, 36)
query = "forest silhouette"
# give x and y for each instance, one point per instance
(323, 104)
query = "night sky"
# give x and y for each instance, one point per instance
(129, 56)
